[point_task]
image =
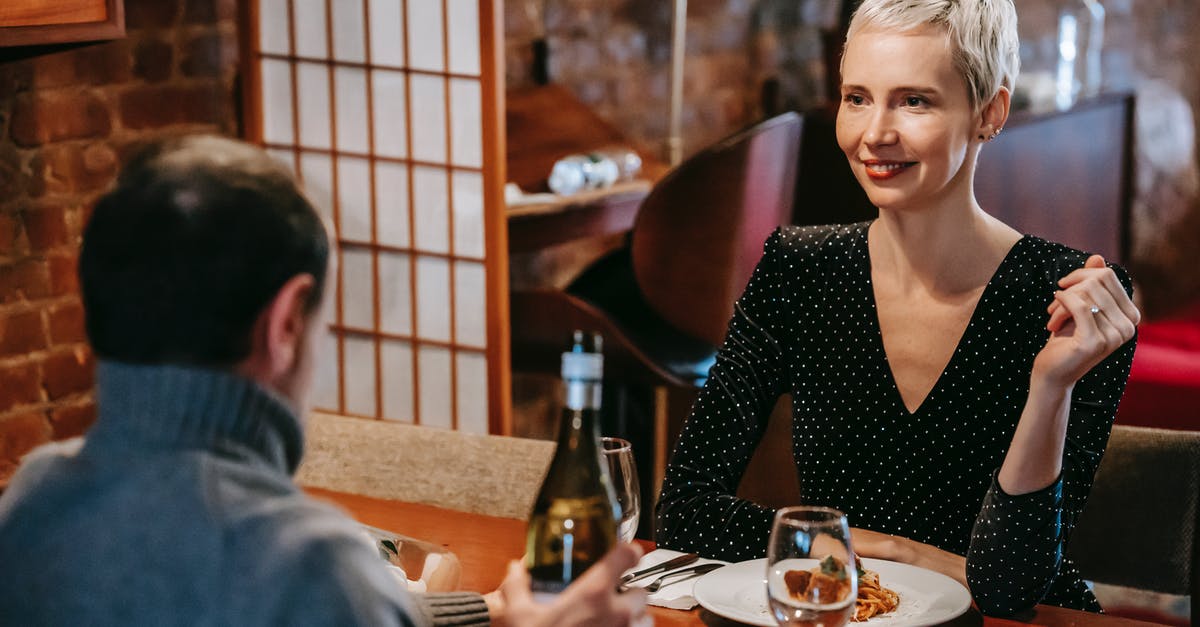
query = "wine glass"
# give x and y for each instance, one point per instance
(618, 454)
(812, 576)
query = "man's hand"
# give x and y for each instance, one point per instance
(590, 600)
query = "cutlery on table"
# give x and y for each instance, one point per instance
(675, 562)
(680, 575)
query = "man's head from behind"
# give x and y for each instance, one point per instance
(207, 254)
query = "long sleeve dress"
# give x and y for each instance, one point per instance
(807, 326)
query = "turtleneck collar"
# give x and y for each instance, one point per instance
(186, 407)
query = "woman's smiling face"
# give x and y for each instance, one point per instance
(905, 121)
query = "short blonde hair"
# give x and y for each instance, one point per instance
(982, 34)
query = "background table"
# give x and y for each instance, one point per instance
(485, 545)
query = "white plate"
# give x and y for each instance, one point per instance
(739, 592)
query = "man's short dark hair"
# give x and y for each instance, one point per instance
(196, 238)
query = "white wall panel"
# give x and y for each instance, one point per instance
(425, 35)
(466, 123)
(350, 87)
(433, 298)
(277, 101)
(311, 35)
(391, 204)
(316, 171)
(358, 281)
(395, 293)
(464, 36)
(273, 34)
(313, 101)
(431, 209)
(397, 359)
(387, 33)
(354, 194)
(470, 304)
(360, 375)
(434, 387)
(472, 392)
(390, 116)
(428, 118)
(348, 28)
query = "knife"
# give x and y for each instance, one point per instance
(682, 574)
(682, 560)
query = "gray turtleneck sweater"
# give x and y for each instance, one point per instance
(179, 509)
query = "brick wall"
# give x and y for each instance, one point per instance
(66, 120)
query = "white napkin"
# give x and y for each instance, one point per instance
(676, 595)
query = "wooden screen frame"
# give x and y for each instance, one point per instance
(493, 171)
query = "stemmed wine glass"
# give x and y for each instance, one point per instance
(618, 454)
(811, 569)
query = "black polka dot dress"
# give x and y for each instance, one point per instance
(806, 326)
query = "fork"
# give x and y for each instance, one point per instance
(693, 571)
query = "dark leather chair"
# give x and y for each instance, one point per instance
(663, 300)
(1139, 528)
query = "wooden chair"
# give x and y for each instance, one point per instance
(481, 474)
(1140, 525)
(663, 301)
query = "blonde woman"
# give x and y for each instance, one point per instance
(953, 381)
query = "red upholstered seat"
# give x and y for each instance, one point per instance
(1164, 383)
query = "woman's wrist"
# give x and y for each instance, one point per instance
(1049, 384)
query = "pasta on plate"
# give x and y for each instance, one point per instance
(828, 583)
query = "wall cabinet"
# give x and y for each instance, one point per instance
(41, 22)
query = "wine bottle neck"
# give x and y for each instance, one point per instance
(582, 394)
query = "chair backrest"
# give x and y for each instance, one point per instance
(482, 474)
(699, 233)
(1139, 528)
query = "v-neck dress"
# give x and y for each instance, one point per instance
(807, 326)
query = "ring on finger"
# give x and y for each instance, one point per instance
(1095, 309)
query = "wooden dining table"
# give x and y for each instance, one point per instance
(486, 544)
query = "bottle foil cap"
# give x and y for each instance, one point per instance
(582, 366)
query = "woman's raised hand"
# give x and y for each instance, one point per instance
(1090, 318)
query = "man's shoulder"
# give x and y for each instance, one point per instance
(314, 559)
(36, 469)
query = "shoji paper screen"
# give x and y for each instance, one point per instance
(387, 111)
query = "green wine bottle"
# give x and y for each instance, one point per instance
(574, 519)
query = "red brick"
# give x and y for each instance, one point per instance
(227, 10)
(20, 384)
(10, 228)
(66, 323)
(20, 433)
(153, 60)
(15, 77)
(156, 106)
(21, 333)
(151, 13)
(209, 54)
(53, 70)
(109, 63)
(49, 117)
(64, 274)
(70, 168)
(28, 279)
(68, 372)
(199, 11)
(11, 178)
(46, 228)
(72, 420)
